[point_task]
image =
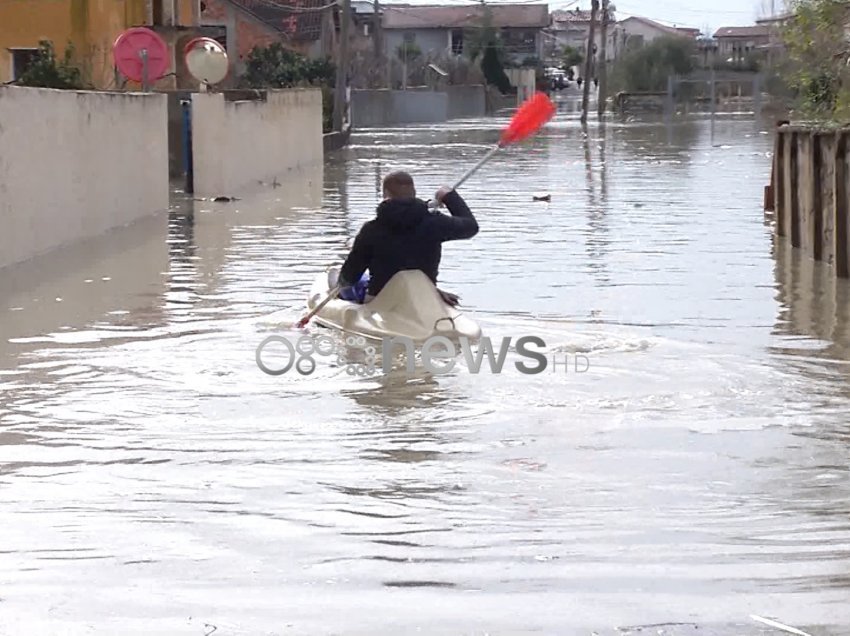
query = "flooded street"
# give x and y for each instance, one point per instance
(154, 480)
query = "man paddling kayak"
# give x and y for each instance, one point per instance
(404, 235)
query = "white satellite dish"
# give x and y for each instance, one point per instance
(206, 60)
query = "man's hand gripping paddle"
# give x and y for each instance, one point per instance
(528, 119)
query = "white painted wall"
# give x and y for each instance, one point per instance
(237, 144)
(75, 164)
(525, 81)
(633, 32)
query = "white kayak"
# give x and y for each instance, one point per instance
(409, 305)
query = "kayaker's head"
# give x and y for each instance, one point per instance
(399, 185)
(400, 210)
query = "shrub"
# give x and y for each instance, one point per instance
(48, 72)
(647, 68)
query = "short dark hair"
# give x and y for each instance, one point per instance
(399, 185)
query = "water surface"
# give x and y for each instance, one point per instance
(153, 480)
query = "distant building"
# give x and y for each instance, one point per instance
(90, 27)
(363, 16)
(736, 44)
(691, 33)
(636, 31)
(252, 23)
(438, 30)
(572, 28)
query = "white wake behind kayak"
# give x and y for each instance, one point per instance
(409, 305)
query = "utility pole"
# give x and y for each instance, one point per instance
(602, 92)
(342, 66)
(588, 63)
(377, 40)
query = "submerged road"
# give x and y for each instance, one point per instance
(154, 480)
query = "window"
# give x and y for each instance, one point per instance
(409, 38)
(457, 41)
(22, 59)
(520, 41)
(367, 29)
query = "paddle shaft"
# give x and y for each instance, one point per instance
(471, 171)
(331, 295)
(477, 166)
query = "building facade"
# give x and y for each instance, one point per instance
(445, 30)
(737, 44)
(637, 31)
(90, 27)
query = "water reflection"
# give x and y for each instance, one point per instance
(814, 323)
(116, 278)
(597, 239)
(671, 145)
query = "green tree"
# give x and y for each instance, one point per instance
(484, 42)
(48, 72)
(817, 58)
(647, 68)
(570, 57)
(275, 66)
(477, 39)
(408, 52)
(493, 70)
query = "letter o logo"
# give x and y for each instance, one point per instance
(289, 348)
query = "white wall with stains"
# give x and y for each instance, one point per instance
(237, 144)
(76, 164)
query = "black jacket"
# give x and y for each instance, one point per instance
(406, 235)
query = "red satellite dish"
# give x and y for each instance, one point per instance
(130, 49)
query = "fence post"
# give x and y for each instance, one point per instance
(842, 266)
(188, 159)
(670, 84)
(757, 96)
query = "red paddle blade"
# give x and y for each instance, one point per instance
(530, 118)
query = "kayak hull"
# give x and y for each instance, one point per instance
(408, 306)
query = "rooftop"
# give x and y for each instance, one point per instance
(405, 16)
(742, 32)
(363, 7)
(678, 31)
(576, 15)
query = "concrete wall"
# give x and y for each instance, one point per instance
(810, 194)
(75, 164)
(420, 106)
(235, 144)
(466, 101)
(525, 81)
(382, 107)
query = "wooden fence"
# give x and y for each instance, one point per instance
(809, 192)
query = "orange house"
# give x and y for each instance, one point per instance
(91, 26)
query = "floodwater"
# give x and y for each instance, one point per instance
(691, 473)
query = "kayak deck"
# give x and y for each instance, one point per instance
(408, 306)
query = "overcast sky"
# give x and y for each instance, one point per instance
(691, 13)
